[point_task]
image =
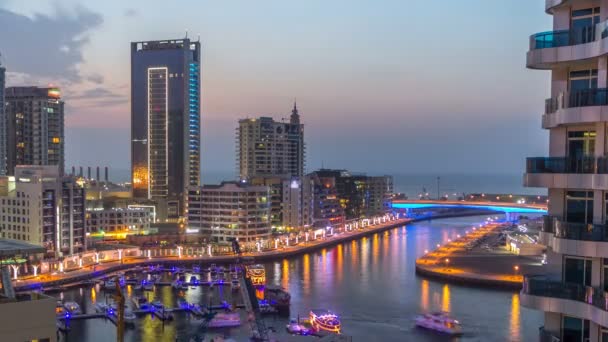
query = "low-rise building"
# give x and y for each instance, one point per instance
(118, 220)
(26, 316)
(230, 210)
(40, 206)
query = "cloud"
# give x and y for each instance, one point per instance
(95, 78)
(46, 46)
(130, 12)
(97, 92)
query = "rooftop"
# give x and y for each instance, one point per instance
(10, 248)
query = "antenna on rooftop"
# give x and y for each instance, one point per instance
(186, 33)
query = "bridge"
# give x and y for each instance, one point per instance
(502, 207)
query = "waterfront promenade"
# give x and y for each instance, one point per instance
(457, 261)
(101, 269)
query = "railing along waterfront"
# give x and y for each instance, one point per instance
(576, 99)
(581, 165)
(542, 286)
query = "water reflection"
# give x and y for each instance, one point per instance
(445, 298)
(424, 295)
(514, 323)
(93, 295)
(339, 263)
(306, 273)
(285, 274)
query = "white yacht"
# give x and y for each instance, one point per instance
(439, 321)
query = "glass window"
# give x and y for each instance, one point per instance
(583, 23)
(575, 329)
(579, 206)
(580, 80)
(577, 271)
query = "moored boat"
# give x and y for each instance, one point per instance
(295, 328)
(224, 320)
(439, 321)
(72, 307)
(257, 274)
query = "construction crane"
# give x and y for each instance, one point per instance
(262, 332)
(119, 299)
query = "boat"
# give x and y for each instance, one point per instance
(194, 280)
(101, 307)
(60, 311)
(213, 268)
(141, 303)
(176, 284)
(224, 320)
(109, 285)
(257, 274)
(157, 304)
(295, 328)
(325, 320)
(129, 315)
(147, 286)
(266, 308)
(236, 285)
(277, 297)
(439, 321)
(72, 307)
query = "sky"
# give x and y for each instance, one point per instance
(390, 87)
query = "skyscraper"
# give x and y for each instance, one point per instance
(573, 291)
(165, 120)
(267, 148)
(3, 141)
(34, 127)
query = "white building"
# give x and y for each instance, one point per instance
(230, 210)
(41, 207)
(118, 220)
(268, 148)
(573, 291)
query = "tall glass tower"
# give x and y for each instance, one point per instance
(165, 120)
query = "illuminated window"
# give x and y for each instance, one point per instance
(56, 140)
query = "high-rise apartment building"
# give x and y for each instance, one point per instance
(573, 291)
(3, 122)
(42, 207)
(230, 210)
(34, 127)
(267, 148)
(165, 120)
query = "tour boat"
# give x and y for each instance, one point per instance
(296, 328)
(439, 321)
(225, 319)
(72, 307)
(257, 274)
(325, 320)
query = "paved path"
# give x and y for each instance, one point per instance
(101, 269)
(496, 267)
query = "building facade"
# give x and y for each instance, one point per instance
(321, 206)
(34, 127)
(380, 189)
(165, 120)
(573, 291)
(3, 122)
(42, 207)
(267, 148)
(118, 220)
(230, 210)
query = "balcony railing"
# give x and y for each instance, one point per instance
(584, 165)
(579, 98)
(544, 287)
(575, 230)
(553, 39)
(581, 231)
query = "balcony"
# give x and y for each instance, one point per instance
(545, 294)
(567, 173)
(551, 47)
(585, 106)
(585, 240)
